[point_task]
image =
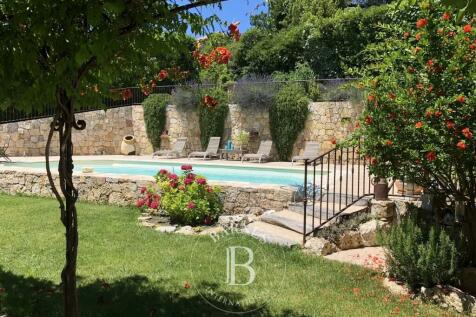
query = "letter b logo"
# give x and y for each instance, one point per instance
(231, 265)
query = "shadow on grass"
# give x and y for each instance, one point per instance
(132, 296)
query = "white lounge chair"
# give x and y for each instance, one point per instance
(176, 151)
(211, 151)
(311, 151)
(264, 152)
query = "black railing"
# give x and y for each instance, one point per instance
(321, 90)
(333, 182)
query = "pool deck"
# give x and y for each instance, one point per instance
(149, 159)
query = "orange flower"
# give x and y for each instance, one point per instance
(418, 36)
(419, 125)
(461, 145)
(388, 142)
(461, 99)
(369, 120)
(421, 23)
(438, 114)
(406, 35)
(430, 63)
(467, 28)
(450, 124)
(210, 101)
(446, 16)
(467, 133)
(417, 49)
(333, 141)
(371, 98)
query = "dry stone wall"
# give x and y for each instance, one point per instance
(105, 129)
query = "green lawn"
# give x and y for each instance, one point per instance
(127, 270)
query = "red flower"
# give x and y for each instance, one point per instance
(446, 16)
(461, 145)
(191, 176)
(369, 120)
(173, 177)
(472, 47)
(186, 167)
(357, 125)
(234, 32)
(428, 114)
(421, 23)
(431, 156)
(467, 133)
(450, 124)
(371, 98)
(467, 28)
(154, 204)
(209, 101)
(438, 114)
(163, 74)
(173, 184)
(221, 55)
(430, 63)
(188, 181)
(126, 94)
(143, 190)
(419, 125)
(201, 181)
(209, 189)
(140, 203)
(163, 172)
(461, 99)
(417, 49)
(333, 141)
(388, 142)
(191, 205)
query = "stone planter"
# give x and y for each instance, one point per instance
(128, 145)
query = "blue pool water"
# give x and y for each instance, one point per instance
(273, 176)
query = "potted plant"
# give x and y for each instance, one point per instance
(242, 139)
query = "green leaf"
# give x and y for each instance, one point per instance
(82, 55)
(115, 7)
(94, 16)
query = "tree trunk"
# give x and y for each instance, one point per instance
(470, 232)
(63, 123)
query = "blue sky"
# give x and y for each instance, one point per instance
(235, 10)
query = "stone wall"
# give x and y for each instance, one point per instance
(105, 130)
(123, 191)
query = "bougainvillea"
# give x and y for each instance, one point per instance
(188, 199)
(422, 98)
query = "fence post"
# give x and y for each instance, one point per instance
(305, 203)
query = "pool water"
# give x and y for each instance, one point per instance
(273, 176)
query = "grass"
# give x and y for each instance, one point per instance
(128, 270)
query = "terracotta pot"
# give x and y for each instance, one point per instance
(128, 145)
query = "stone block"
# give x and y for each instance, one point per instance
(319, 246)
(382, 209)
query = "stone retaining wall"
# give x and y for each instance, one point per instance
(124, 191)
(105, 129)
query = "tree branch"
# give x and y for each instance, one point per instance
(196, 4)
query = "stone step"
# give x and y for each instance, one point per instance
(325, 211)
(290, 220)
(273, 234)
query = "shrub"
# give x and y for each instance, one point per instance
(154, 117)
(212, 116)
(254, 92)
(187, 199)
(186, 97)
(287, 117)
(419, 254)
(305, 76)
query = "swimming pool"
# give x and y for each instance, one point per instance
(272, 176)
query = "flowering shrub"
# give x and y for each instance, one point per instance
(188, 199)
(420, 116)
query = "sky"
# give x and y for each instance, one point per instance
(235, 10)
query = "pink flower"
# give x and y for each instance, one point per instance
(163, 172)
(186, 167)
(188, 181)
(191, 205)
(201, 181)
(209, 189)
(173, 177)
(191, 176)
(173, 184)
(143, 190)
(154, 204)
(140, 203)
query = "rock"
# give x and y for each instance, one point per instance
(212, 230)
(382, 209)
(350, 240)
(186, 230)
(368, 232)
(167, 229)
(450, 297)
(468, 280)
(395, 288)
(319, 246)
(235, 221)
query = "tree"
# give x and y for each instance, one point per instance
(420, 116)
(67, 54)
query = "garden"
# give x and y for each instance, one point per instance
(408, 67)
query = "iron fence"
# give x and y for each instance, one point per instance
(319, 90)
